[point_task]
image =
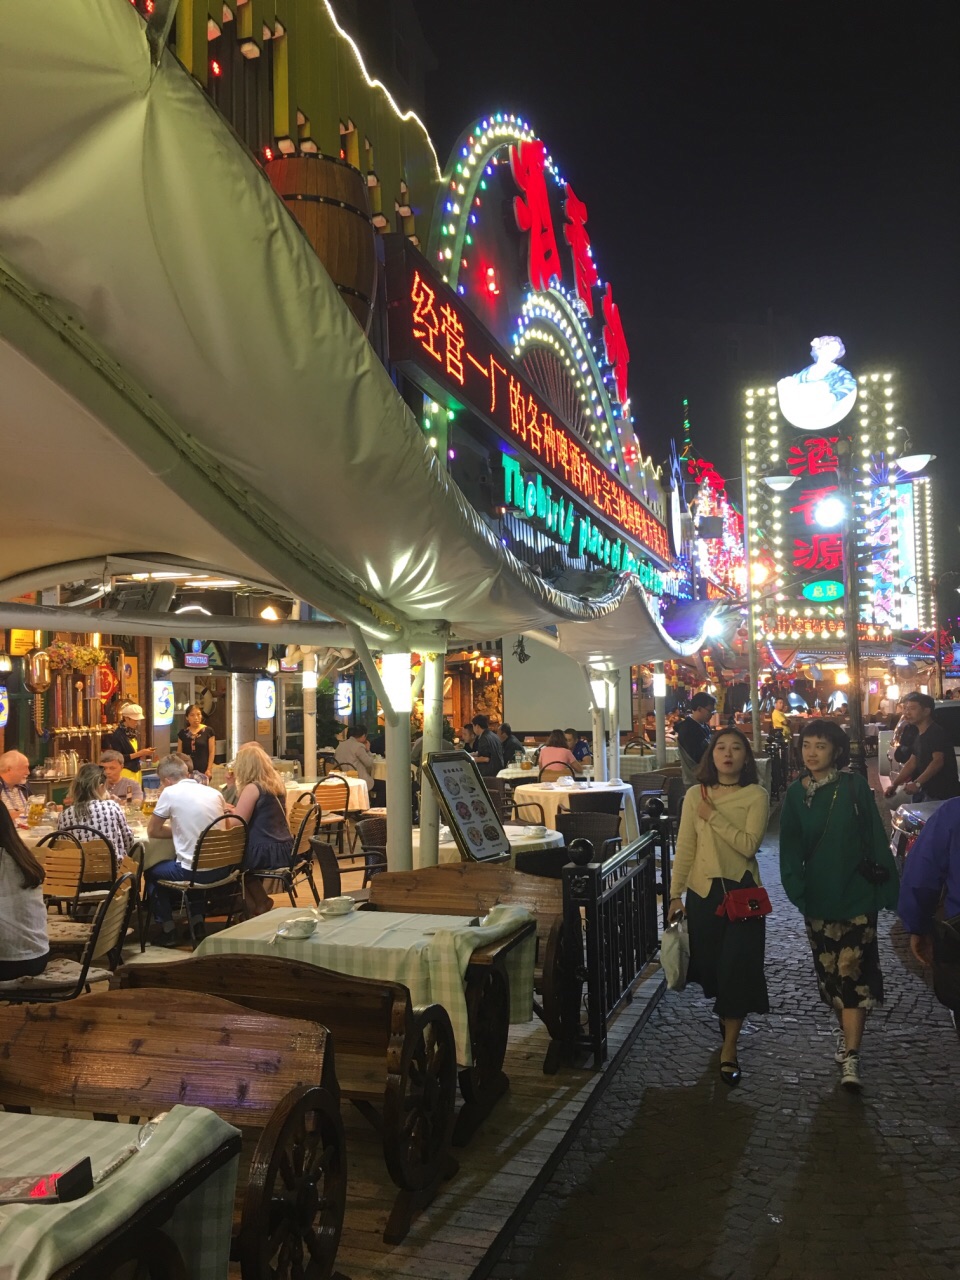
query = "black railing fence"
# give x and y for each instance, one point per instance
(615, 905)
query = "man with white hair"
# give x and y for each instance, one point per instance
(184, 809)
(14, 771)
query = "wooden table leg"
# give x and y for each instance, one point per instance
(484, 1081)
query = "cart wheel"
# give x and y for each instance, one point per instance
(418, 1117)
(294, 1203)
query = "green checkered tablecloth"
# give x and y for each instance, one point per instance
(36, 1240)
(429, 954)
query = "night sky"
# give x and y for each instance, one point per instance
(755, 174)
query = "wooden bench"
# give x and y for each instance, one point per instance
(395, 1063)
(468, 888)
(125, 1053)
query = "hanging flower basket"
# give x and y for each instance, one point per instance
(65, 656)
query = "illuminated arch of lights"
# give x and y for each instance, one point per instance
(557, 315)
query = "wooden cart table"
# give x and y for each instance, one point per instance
(182, 1181)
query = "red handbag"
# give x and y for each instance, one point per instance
(749, 903)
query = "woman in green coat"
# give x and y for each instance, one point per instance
(838, 871)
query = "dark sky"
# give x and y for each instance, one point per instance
(744, 163)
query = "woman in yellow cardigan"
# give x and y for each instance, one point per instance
(721, 826)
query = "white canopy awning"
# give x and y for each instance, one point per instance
(179, 375)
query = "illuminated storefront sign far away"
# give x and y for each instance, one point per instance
(823, 591)
(162, 703)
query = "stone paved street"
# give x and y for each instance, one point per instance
(675, 1176)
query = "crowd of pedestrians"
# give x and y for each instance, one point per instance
(836, 868)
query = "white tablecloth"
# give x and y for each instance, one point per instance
(37, 1240)
(522, 840)
(550, 796)
(359, 792)
(513, 771)
(631, 763)
(427, 953)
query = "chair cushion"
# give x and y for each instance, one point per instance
(60, 972)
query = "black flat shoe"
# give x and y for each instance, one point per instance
(730, 1073)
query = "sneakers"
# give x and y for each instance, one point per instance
(850, 1071)
(841, 1048)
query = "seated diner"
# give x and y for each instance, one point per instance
(261, 802)
(578, 744)
(556, 752)
(90, 805)
(119, 787)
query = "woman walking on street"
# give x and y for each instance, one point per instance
(838, 872)
(721, 826)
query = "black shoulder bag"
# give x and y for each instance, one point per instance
(870, 869)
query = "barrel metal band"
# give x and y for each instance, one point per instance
(341, 204)
(355, 293)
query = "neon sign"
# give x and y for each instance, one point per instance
(527, 164)
(531, 497)
(822, 591)
(431, 330)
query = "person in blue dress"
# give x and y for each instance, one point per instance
(261, 801)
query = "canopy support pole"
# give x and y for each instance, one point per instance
(660, 711)
(397, 742)
(432, 741)
(613, 708)
(599, 736)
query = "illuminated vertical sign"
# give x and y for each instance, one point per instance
(265, 699)
(162, 703)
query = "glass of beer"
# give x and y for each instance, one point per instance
(35, 806)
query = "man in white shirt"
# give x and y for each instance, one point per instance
(355, 752)
(14, 771)
(119, 787)
(184, 810)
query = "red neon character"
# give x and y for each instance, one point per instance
(563, 452)
(815, 457)
(527, 162)
(824, 551)
(615, 344)
(517, 422)
(809, 500)
(549, 440)
(426, 325)
(534, 429)
(453, 330)
(575, 234)
(578, 465)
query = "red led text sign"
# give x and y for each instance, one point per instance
(432, 329)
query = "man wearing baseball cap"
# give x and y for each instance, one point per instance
(126, 739)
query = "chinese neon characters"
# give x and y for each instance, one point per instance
(527, 162)
(575, 233)
(615, 344)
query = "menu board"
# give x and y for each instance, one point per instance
(466, 806)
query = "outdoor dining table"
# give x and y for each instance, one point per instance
(552, 795)
(514, 772)
(429, 954)
(182, 1181)
(154, 850)
(522, 840)
(359, 792)
(633, 762)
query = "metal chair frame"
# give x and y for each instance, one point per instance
(301, 856)
(232, 869)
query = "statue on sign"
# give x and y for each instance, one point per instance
(821, 395)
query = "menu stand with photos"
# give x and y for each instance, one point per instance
(466, 807)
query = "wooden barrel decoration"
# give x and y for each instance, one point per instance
(328, 197)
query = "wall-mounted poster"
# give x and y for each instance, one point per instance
(466, 807)
(130, 678)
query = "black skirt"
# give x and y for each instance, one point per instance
(726, 957)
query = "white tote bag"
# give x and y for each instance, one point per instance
(675, 955)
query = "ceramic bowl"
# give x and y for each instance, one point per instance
(337, 906)
(297, 927)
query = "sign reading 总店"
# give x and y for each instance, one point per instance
(431, 329)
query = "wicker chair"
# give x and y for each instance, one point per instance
(301, 854)
(501, 797)
(65, 979)
(218, 848)
(551, 772)
(372, 834)
(595, 827)
(332, 796)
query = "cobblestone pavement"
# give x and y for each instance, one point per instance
(677, 1177)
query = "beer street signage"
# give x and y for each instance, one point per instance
(434, 336)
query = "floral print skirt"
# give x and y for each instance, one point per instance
(846, 956)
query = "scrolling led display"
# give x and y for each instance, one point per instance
(431, 329)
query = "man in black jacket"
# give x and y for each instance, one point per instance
(487, 750)
(512, 746)
(693, 732)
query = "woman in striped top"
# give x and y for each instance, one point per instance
(90, 805)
